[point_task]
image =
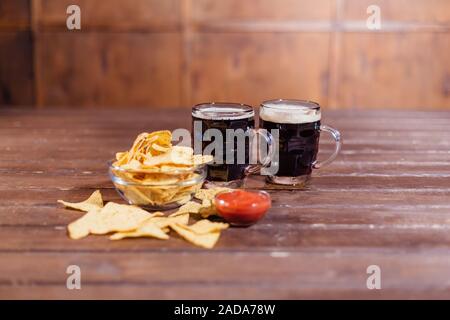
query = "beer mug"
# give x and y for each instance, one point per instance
(232, 127)
(299, 127)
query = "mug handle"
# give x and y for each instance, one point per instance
(256, 168)
(337, 138)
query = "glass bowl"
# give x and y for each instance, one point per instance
(242, 208)
(157, 190)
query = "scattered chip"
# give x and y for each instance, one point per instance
(153, 173)
(189, 207)
(118, 217)
(81, 227)
(111, 218)
(205, 226)
(205, 209)
(209, 193)
(164, 222)
(148, 229)
(95, 201)
(208, 208)
(207, 240)
(207, 196)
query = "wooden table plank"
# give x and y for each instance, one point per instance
(384, 201)
(275, 274)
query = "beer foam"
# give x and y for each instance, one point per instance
(288, 113)
(222, 113)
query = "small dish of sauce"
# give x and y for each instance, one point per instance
(242, 208)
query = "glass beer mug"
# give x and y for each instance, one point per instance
(233, 128)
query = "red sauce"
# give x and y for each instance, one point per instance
(242, 208)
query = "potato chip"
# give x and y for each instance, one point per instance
(95, 201)
(207, 240)
(205, 226)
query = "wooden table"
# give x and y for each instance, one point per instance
(385, 201)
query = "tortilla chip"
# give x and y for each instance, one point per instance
(118, 217)
(158, 148)
(164, 222)
(207, 240)
(95, 201)
(81, 227)
(188, 207)
(182, 198)
(208, 208)
(199, 159)
(160, 174)
(111, 218)
(177, 155)
(156, 227)
(132, 165)
(148, 229)
(209, 193)
(205, 226)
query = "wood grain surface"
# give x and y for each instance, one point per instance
(177, 53)
(385, 201)
(16, 56)
(16, 68)
(90, 76)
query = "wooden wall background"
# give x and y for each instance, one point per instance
(171, 53)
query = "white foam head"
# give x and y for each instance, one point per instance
(222, 111)
(290, 111)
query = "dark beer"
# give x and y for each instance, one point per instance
(223, 116)
(298, 146)
(299, 127)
